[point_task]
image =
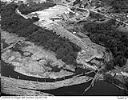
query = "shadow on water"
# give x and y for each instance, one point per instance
(100, 89)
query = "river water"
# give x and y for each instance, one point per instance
(100, 89)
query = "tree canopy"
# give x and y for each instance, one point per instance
(14, 23)
(113, 39)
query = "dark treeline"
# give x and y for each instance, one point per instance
(114, 40)
(118, 6)
(14, 23)
(25, 9)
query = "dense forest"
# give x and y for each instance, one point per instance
(114, 40)
(119, 6)
(14, 23)
(25, 9)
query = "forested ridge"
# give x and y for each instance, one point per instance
(14, 23)
(114, 40)
(118, 6)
